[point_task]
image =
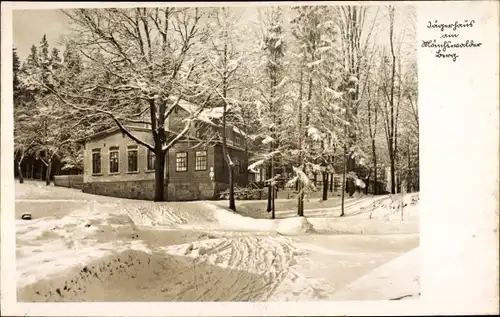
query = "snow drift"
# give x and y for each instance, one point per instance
(371, 215)
(143, 276)
(123, 250)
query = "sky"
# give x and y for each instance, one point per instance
(29, 26)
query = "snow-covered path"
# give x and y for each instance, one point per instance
(223, 256)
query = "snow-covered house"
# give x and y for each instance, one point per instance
(115, 165)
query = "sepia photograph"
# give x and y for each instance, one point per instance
(252, 158)
(225, 153)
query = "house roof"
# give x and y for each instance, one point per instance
(135, 128)
(107, 132)
(207, 115)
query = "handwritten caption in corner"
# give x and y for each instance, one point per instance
(449, 42)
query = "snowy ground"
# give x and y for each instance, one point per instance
(81, 247)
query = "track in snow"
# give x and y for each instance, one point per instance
(269, 259)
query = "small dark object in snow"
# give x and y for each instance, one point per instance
(88, 225)
(26, 216)
(403, 297)
(135, 236)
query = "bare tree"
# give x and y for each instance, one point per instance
(139, 64)
(226, 64)
(394, 92)
(306, 31)
(352, 25)
(273, 53)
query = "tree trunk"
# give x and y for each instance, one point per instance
(20, 172)
(417, 169)
(409, 173)
(232, 204)
(159, 174)
(300, 185)
(331, 182)
(300, 201)
(344, 168)
(374, 153)
(227, 160)
(48, 171)
(325, 185)
(393, 172)
(367, 185)
(273, 192)
(393, 136)
(269, 189)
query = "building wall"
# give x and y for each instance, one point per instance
(222, 171)
(191, 174)
(175, 119)
(122, 141)
(180, 185)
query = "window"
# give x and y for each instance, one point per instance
(181, 161)
(151, 161)
(96, 161)
(201, 161)
(237, 140)
(114, 160)
(132, 158)
(199, 134)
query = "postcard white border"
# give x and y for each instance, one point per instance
(459, 184)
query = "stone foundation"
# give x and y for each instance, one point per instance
(70, 181)
(145, 190)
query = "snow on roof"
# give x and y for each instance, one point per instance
(207, 115)
(238, 130)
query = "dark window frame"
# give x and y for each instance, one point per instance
(201, 159)
(151, 160)
(181, 159)
(114, 150)
(131, 149)
(96, 152)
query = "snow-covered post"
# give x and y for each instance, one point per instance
(402, 203)
(212, 179)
